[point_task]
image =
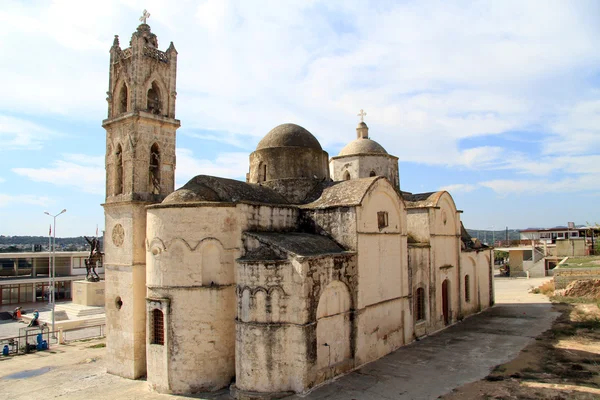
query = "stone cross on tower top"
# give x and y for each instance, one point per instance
(145, 16)
(362, 114)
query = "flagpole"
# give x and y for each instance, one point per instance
(53, 271)
(49, 264)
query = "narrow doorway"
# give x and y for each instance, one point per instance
(446, 301)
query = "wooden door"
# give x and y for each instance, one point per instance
(446, 301)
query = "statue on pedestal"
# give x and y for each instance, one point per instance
(90, 262)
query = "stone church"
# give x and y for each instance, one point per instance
(314, 266)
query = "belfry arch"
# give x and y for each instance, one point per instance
(154, 170)
(118, 188)
(154, 99)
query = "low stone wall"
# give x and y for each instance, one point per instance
(564, 276)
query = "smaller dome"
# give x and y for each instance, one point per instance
(289, 135)
(362, 146)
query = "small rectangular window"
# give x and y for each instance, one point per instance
(382, 219)
(158, 328)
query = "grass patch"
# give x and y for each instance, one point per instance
(582, 262)
(97, 346)
(574, 300)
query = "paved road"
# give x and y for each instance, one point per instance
(423, 370)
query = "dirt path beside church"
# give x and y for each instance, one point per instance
(463, 353)
(426, 369)
(562, 363)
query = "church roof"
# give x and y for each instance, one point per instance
(298, 244)
(289, 135)
(341, 194)
(362, 146)
(429, 199)
(211, 188)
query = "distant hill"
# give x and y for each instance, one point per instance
(489, 236)
(10, 244)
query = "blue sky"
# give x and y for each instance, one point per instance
(498, 102)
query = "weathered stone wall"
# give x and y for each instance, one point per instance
(363, 165)
(256, 217)
(421, 276)
(382, 251)
(125, 275)
(468, 267)
(288, 162)
(417, 222)
(339, 223)
(382, 328)
(135, 136)
(564, 276)
(278, 320)
(571, 247)
(190, 262)
(291, 171)
(199, 350)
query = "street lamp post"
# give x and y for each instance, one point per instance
(52, 272)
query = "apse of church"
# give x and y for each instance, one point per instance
(310, 269)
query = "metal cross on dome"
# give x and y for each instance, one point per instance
(145, 16)
(362, 114)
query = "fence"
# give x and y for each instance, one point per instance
(87, 332)
(29, 339)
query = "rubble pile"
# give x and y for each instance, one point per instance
(584, 288)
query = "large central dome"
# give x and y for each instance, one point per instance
(289, 135)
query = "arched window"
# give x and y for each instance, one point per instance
(346, 176)
(264, 172)
(467, 289)
(372, 173)
(118, 189)
(153, 99)
(154, 170)
(158, 327)
(420, 304)
(123, 100)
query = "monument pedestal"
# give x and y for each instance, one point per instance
(88, 293)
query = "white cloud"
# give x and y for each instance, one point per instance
(227, 165)
(459, 187)
(428, 76)
(17, 133)
(83, 172)
(582, 183)
(7, 199)
(2, 179)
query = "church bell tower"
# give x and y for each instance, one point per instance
(140, 170)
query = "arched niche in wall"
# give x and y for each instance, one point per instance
(259, 311)
(333, 325)
(122, 98)
(245, 305)
(154, 99)
(215, 271)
